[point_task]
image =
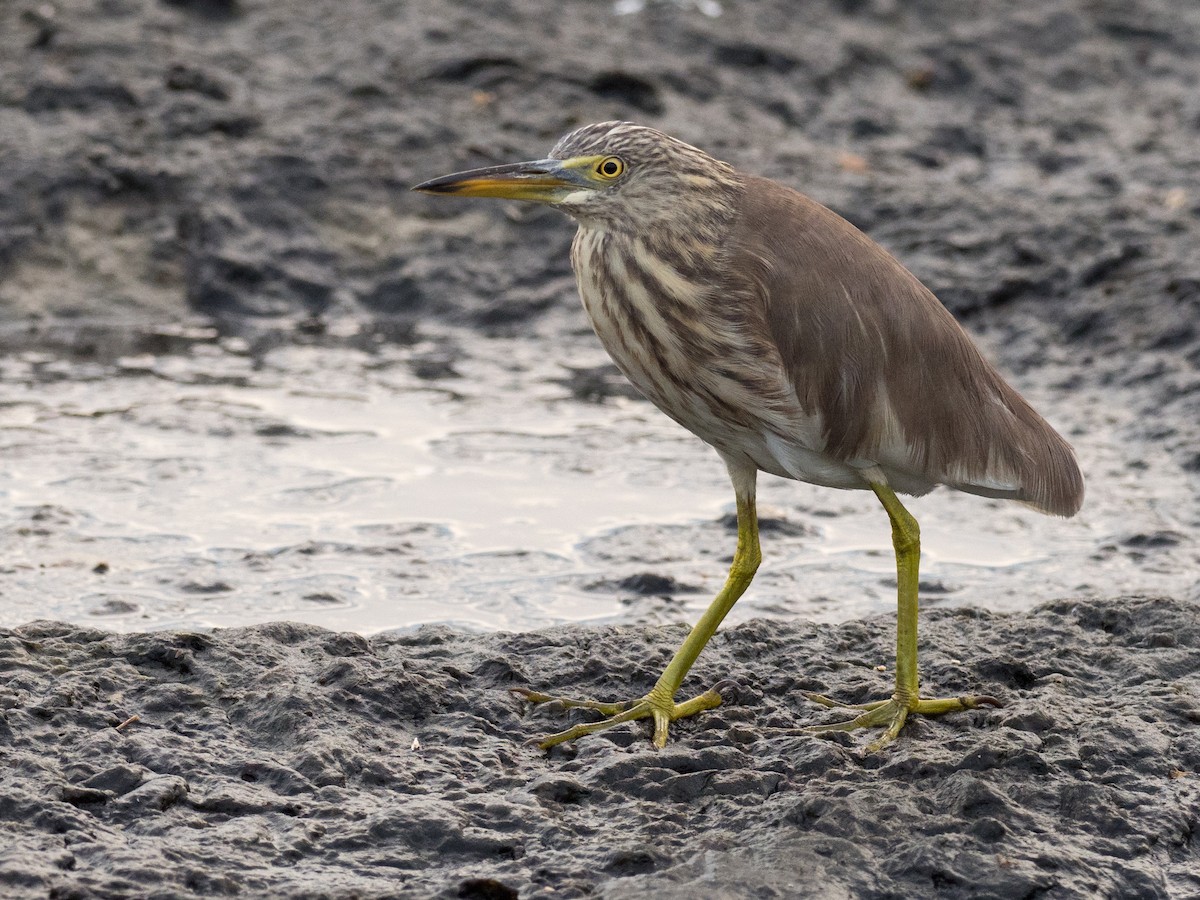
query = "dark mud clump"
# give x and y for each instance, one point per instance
(286, 760)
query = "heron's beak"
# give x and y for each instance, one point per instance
(541, 181)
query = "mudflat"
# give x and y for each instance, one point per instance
(245, 376)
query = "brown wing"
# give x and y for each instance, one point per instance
(893, 376)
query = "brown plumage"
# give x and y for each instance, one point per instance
(774, 329)
(858, 332)
(793, 344)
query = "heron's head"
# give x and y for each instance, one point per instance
(614, 175)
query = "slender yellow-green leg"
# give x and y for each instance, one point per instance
(890, 714)
(660, 703)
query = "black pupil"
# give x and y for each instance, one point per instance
(609, 168)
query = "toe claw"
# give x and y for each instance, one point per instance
(529, 696)
(728, 690)
(827, 702)
(981, 700)
(661, 722)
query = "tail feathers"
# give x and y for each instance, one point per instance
(1044, 476)
(1055, 484)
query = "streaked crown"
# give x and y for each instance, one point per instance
(663, 182)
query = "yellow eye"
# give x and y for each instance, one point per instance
(610, 167)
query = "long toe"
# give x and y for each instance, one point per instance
(662, 712)
(890, 715)
(536, 697)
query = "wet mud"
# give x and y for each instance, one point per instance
(246, 377)
(287, 760)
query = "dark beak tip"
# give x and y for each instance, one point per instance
(429, 187)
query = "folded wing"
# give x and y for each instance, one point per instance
(895, 380)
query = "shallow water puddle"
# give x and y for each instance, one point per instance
(333, 486)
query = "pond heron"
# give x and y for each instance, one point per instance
(791, 342)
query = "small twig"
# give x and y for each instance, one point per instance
(129, 721)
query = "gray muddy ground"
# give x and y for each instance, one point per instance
(286, 760)
(245, 377)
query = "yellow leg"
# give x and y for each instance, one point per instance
(890, 714)
(660, 703)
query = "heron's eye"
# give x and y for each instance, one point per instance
(610, 167)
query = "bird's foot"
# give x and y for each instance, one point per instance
(657, 705)
(890, 714)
